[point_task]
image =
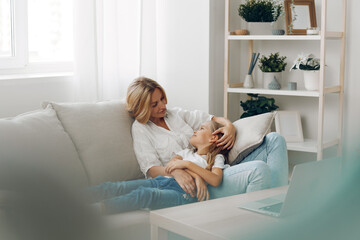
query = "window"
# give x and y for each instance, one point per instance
(5, 29)
(36, 35)
(12, 33)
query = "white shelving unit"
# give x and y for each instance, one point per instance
(309, 145)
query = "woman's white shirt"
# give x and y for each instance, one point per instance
(200, 160)
(155, 146)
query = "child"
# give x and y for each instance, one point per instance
(205, 164)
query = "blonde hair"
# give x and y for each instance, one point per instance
(214, 149)
(138, 98)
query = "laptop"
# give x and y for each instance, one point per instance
(311, 183)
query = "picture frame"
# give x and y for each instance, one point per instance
(288, 124)
(305, 16)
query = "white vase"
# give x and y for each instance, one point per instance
(248, 82)
(269, 76)
(311, 80)
(260, 28)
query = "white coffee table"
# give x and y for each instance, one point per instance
(215, 219)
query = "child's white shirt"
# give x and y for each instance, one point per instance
(200, 160)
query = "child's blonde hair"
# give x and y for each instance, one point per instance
(214, 149)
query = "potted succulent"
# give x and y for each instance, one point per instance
(257, 105)
(261, 12)
(310, 66)
(272, 67)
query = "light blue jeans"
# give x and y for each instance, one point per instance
(266, 166)
(123, 196)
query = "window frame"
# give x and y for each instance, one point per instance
(19, 62)
(19, 37)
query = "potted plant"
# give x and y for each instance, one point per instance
(260, 11)
(257, 105)
(272, 67)
(310, 66)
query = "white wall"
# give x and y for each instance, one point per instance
(352, 85)
(183, 52)
(21, 95)
(216, 64)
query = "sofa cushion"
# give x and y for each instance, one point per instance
(38, 141)
(101, 133)
(250, 133)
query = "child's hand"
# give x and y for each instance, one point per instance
(173, 159)
(202, 190)
(172, 165)
(176, 157)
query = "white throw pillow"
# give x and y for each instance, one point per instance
(101, 133)
(250, 133)
(37, 141)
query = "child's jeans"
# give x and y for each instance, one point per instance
(160, 192)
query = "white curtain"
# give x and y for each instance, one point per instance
(109, 38)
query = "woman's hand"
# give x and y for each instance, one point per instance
(202, 190)
(185, 181)
(172, 165)
(228, 139)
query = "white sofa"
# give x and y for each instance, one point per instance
(79, 144)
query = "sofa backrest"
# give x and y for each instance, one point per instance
(37, 142)
(101, 133)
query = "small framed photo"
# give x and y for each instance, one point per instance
(288, 124)
(299, 16)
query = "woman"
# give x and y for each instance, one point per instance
(159, 132)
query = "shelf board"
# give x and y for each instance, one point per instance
(274, 37)
(329, 35)
(333, 89)
(309, 145)
(334, 35)
(284, 92)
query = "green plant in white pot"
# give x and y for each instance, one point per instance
(272, 66)
(260, 11)
(310, 66)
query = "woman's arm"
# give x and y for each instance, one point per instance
(183, 178)
(192, 118)
(202, 192)
(156, 171)
(196, 118)
(213, 177)
(229, 131)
